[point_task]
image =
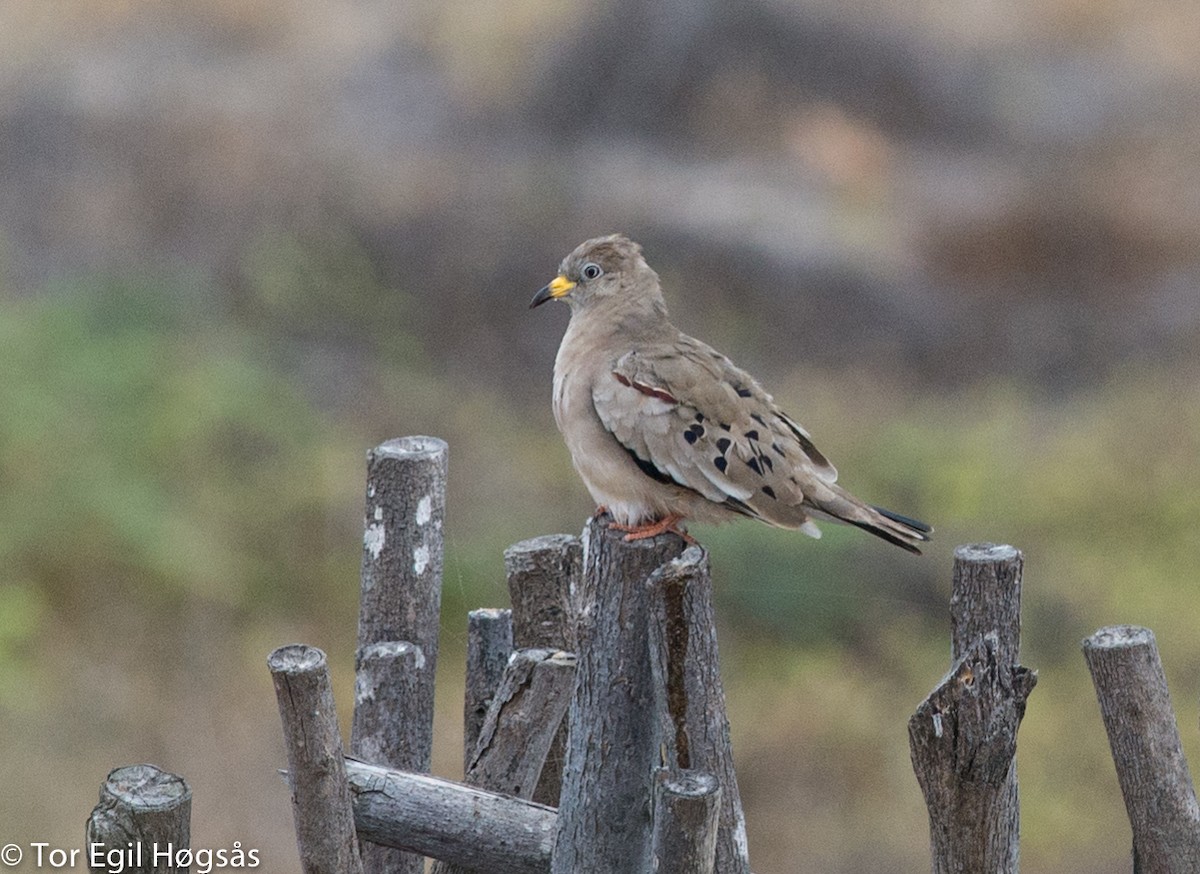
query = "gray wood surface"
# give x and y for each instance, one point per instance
(399, 615)
(691, 698)
(522, 723)
(963, 736)
(144, 814)
(489, 645)
(687, 805)
(604, 819)
(321, 804)
(543, 576)
(461, 825)
(1151, 767)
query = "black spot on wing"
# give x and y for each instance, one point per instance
(769, 492)
(805, 444)
(743, 392)
(721, 463)
(756, 417)
(648, 468)
(723, 445)
(752, 435)
(754, 466)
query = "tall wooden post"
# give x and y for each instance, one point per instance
(604, 820)
(963, 737)
(399, 615)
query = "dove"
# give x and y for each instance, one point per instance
(663, 429)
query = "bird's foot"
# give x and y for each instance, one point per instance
(653, 529)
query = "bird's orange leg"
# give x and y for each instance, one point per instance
(653, 529)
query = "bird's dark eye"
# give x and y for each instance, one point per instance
(590, 270)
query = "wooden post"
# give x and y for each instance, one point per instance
(461, 825)
(543, 577)
(1151, 767)
(321, 802)
(399, 614)
(489, 645)
(691, 707)
(143, 819)
(963, 736)
(604, 814)
(686, 809)
(521, 725)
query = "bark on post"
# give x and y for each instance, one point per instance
(963, 736)
(144, 815)
(543, 578)
(604, 816)
(321, 802)
(1151, 767)
(459, 824)
(691, 706)
(399, 614)
(489, 645)
(686, 809)
(522, 723)
(542, 575)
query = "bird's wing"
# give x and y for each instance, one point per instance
(689, 414)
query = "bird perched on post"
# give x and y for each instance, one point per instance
(664, 429)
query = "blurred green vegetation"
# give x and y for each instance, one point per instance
(191, 460)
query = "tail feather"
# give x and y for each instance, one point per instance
(903, 531)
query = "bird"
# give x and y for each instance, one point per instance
(663, 429)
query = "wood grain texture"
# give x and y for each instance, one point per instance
(399, 615)
(605, 817)
(687, 805)
(461, 825)
(142, 809)
(1151, 767)
(543, 580)
(691, 698)
(489, 646)
(521, 725)
(963, 736)
(321, 806)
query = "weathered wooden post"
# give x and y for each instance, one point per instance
(399, 613)
(321, 804)
(144, 817)
(686, 809)
(1151, 767)
(604, 820)
(963, 736)
(691, 708)
(521, 724)
(543, 577)
(489, 646)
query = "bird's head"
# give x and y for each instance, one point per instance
(605, 270)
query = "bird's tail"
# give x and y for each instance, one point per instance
(905, 532)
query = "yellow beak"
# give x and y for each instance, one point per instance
(558, 287)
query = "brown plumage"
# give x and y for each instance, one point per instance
(662, 428)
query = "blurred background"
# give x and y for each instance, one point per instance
(241, 243)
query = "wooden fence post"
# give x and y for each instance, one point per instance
(321, 803)
(1151, 767)
(604, 814)
(521, 725)
(691, 707)
(963, 736)
(144, 818)
(399, 614)
(686, 809)
(543, 579)
(489, 646)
